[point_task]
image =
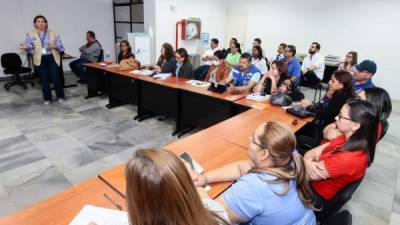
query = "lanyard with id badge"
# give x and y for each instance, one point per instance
(42, 42)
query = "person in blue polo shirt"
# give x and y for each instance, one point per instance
(363, 74)
(294, 68)
(244, 76)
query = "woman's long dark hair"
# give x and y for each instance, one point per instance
(381, 100)
(183, 53)
(168, 51)
(282, 68)
(364, 113)
(237, 45)
(354, 59)
(345, 78)
(259, 50)
(128, 53)
(220, 54)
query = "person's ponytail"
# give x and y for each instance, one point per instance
(303, 186)
(288, 165)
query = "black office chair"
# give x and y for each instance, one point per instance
(328, 72)
(385, 127)
(323, 85)
(101, 56)
(12, 64)
(342, 218)
(316, 88)
(332, 206)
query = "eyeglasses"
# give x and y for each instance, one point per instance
(349, 56)
(343, 117)
(263, 148)
(251, 139)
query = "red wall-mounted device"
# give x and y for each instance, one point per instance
(190, 29)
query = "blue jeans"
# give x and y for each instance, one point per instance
(200, 72)
(78, 68)
(49, 65)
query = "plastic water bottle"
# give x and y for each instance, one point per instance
(107, 57)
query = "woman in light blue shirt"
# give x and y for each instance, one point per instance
(45, 46)
(271, 187)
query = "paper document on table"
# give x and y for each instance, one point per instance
(198, 83)
(145, 72)
(162, 76)
(100, 216)
(258, 97)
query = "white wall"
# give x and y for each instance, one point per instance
(71, 19)
(149, 11)
(212, 14)
(369, 27)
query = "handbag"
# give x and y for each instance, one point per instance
(281, 99)
(129, 64)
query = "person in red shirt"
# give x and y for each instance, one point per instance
(343, 160)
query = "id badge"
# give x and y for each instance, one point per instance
(43, 51)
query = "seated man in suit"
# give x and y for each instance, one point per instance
(89, 54)
(244, 76)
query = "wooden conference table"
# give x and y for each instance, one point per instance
(213, 147)
(209, 151)
(63, 207)
(188, 105)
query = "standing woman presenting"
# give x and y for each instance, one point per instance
(45, 46)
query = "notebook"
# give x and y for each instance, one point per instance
(258, 97)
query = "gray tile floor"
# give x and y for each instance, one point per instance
(47, 149)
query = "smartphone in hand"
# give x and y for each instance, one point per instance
(185, 156)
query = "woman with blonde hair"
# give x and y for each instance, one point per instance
(160, 190)
(271, 186)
